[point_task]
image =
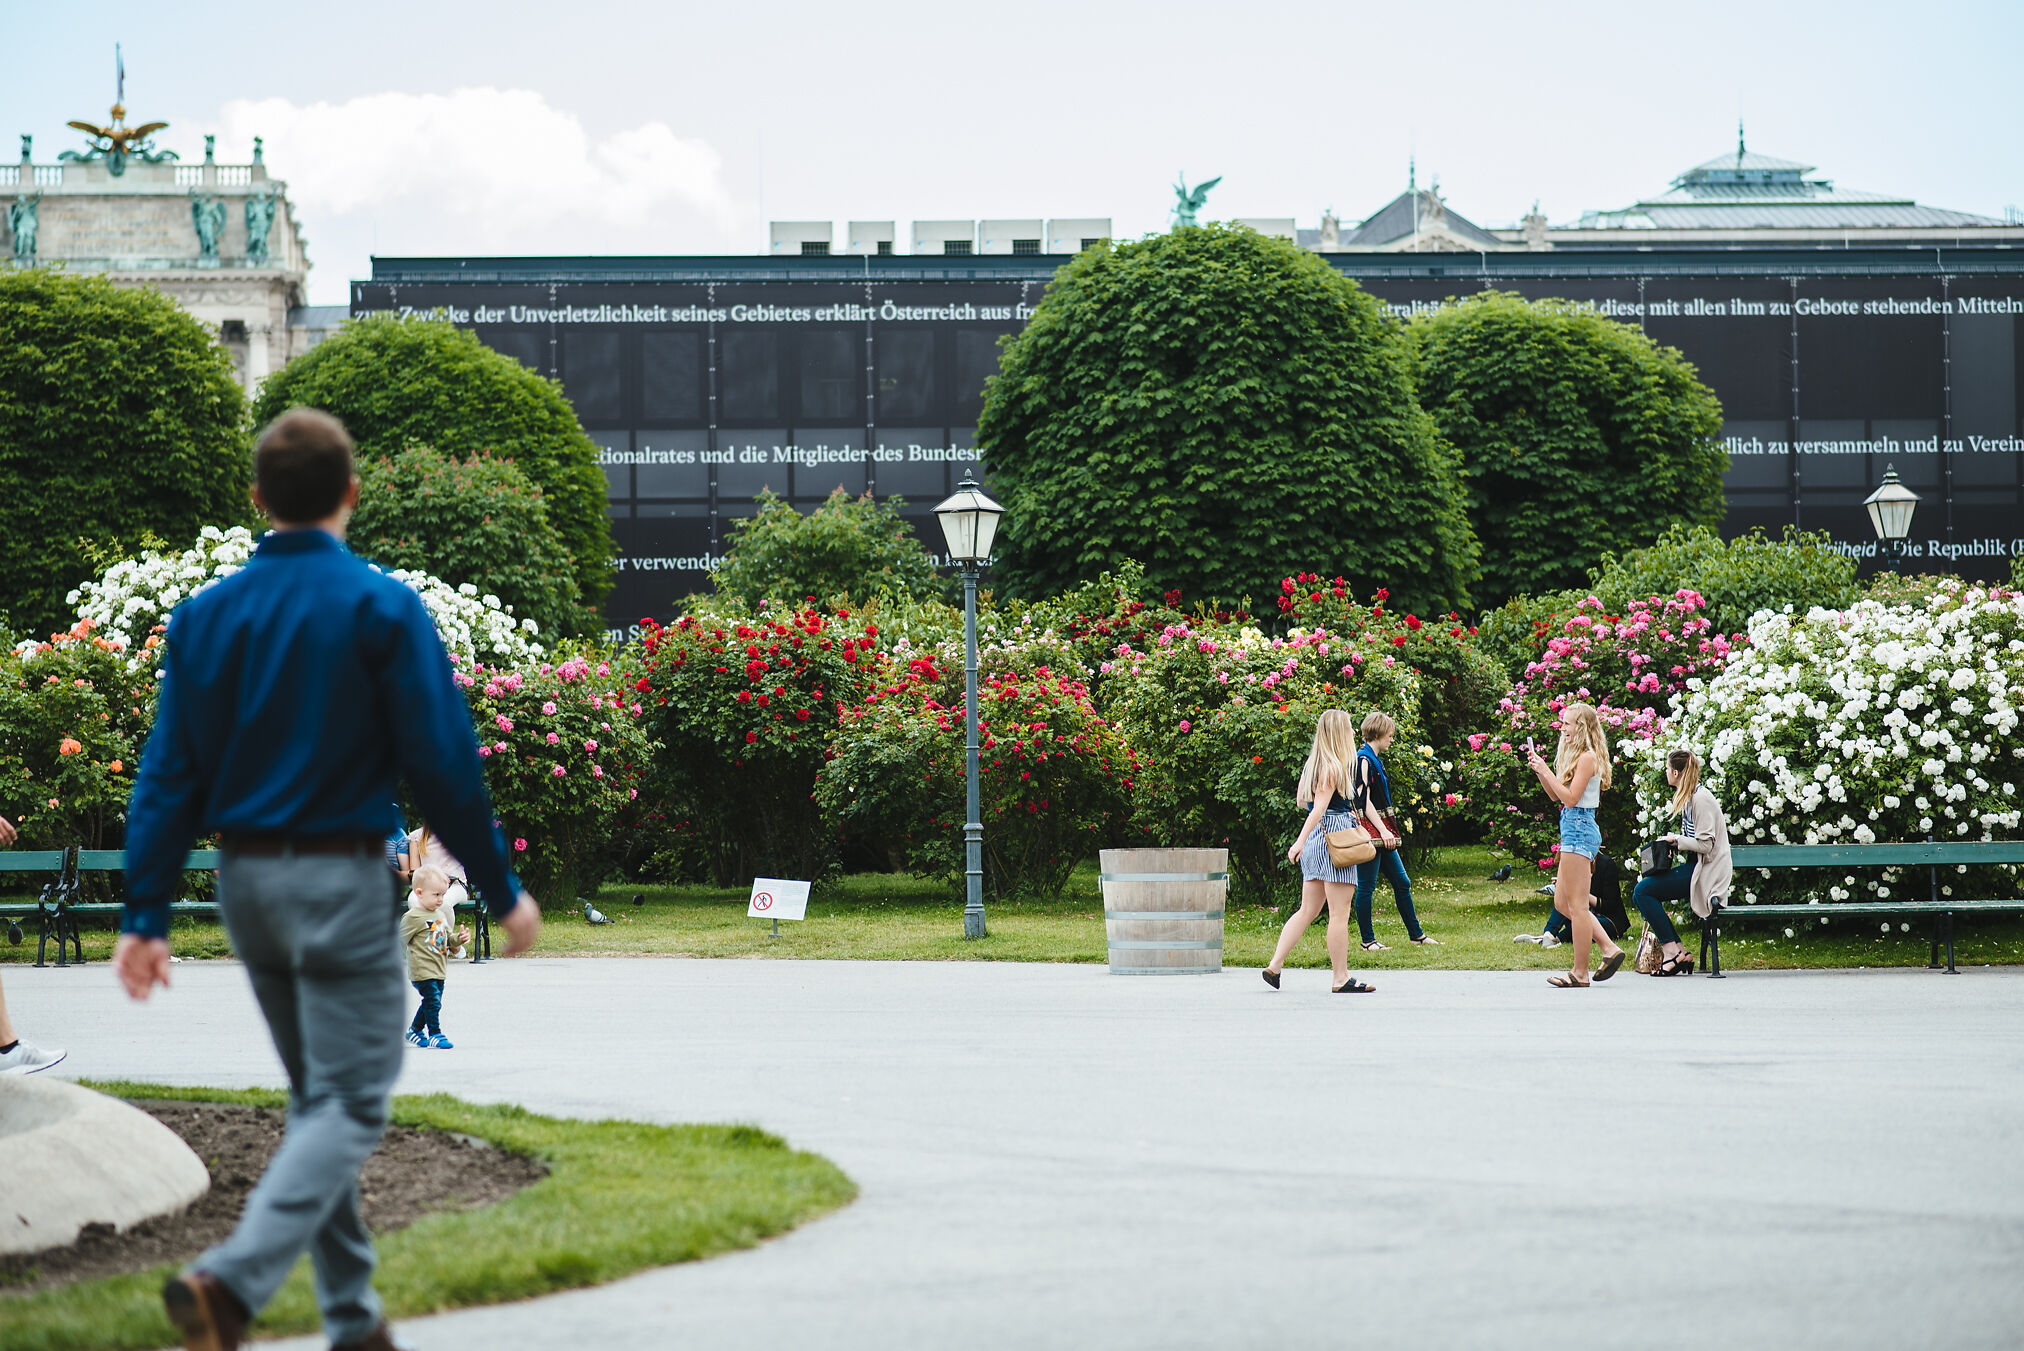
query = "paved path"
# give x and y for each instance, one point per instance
(1054, 1157)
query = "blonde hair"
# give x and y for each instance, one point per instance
(1581, 730)
(1689, 767)
(1378, 726)
(1333, 750)
(432, 877)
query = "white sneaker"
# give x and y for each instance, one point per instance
(27, 1058)
(1548, 941)
(1525, 938)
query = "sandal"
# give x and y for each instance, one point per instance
(1353, 986)
(1271, 977)
(1609, 968)
(1676, 966)
(1375, 946)
(1566, 982)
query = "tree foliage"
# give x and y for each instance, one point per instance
(119, 416)
(1213, 403)
(479, 521)
(1578, 435)
(849, 547)
(1736, 578)
(397, 382)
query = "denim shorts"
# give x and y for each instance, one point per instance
(1578, 834)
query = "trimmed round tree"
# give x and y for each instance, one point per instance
(1220, 407)
(397, 382)
(1578, 436)
(850, 547)
(479, 521)
(119, 418)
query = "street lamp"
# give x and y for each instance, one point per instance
(1890, 512)
(969, 523)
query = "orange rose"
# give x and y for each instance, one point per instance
(69, 746)
(117, 767)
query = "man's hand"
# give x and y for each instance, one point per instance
(141, 964)
(522, 925)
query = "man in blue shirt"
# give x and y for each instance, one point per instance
(295, 694)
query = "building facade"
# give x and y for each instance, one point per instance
(707, 380)
(222, 239)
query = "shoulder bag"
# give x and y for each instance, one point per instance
(1353, 845)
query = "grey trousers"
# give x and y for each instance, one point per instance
(318, 936)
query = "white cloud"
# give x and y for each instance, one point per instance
(479, 171)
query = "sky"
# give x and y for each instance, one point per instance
(437, 127)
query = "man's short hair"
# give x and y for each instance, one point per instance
(302, 465)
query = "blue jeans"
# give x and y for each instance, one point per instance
(428, 1018)
(1394, 870)
(1651, 892)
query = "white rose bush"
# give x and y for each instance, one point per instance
(1879, 723)
(132, 597)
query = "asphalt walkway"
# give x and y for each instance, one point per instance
(1054, 1157)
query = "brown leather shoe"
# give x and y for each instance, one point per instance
(380, 1338)
(207, 1314)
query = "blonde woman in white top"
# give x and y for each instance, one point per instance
(1575, 782)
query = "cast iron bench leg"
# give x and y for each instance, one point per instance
(1950, 945)
(1715, 929)
(481, 938)
(41, 936)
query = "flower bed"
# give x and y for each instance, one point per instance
(73, 713)
(133, 596)
(1628, 666)
(1875, 723)
(1222, 716)
(566, 749)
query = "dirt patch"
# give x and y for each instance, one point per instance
(412, 1174)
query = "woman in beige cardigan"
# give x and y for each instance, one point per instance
(1703, 877)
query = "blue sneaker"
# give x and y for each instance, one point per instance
(440, 1042)
(416, 1038)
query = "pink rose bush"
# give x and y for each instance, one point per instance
(568, 813)
(1629, 666)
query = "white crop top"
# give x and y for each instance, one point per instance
(1591, 796)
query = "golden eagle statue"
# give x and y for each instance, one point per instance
(116, 141)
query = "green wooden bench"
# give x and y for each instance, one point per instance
(53, 861)
(58, 910)
(1931, 855)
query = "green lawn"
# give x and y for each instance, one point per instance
(620, 1196)
(873, 916)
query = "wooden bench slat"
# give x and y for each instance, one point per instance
(114, 860)
(1872, 908)
(1910, 853)
(32, 861)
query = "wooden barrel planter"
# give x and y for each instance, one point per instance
(1163, 910)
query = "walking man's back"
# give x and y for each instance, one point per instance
(295, 695)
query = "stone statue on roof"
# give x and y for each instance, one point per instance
(1188, 201)
(260, 209)
(21, 220)
(207, 213)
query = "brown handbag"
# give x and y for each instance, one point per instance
(1347, 848)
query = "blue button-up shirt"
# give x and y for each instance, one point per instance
(295, 693)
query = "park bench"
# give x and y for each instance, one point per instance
(58, 909)
(1931, 855)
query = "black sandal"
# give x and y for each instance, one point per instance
(1609, 968)
(1271, 978)
(1676, 966)
(1566, 982)
(1353, 986)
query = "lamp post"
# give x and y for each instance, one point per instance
(969, 523)
(1890, 513)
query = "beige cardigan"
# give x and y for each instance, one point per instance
(1712, 871)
